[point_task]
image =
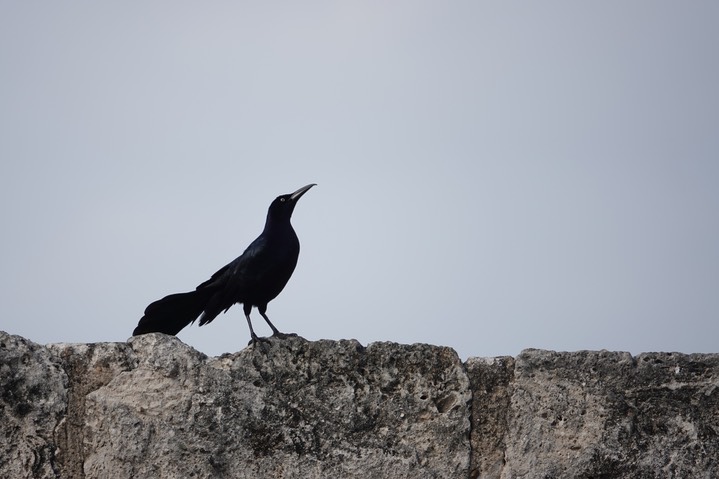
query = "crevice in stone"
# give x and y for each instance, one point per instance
(85, 374)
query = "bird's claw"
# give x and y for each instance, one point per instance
(260, 343)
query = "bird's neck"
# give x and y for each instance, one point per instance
(278, 227)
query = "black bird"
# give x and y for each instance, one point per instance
(253, 279)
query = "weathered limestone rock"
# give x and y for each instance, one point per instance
(154, 407)
(33, 399)
(323, 409)
(603, 414)
(88, 367)
(491, 383)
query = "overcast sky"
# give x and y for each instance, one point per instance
(492, 176)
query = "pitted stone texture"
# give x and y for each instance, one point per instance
(155, 407)
(603, 414)
(88, 367)
(491, 381)
(303, 410)
(33, 400)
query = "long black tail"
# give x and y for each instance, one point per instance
(172, 313)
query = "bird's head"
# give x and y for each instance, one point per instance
(283, 206)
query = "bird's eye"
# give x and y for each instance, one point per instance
(282, 200)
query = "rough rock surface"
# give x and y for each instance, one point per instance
(604, 414)
(156, 408)
(490, 380)
(33, 401)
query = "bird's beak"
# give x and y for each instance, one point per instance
(297, 194)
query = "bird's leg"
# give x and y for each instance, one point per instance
(275, 332)
(256, 340)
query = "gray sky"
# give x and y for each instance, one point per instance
(492, 176)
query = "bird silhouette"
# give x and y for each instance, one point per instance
(254, 279)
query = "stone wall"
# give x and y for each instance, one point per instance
(156, 408)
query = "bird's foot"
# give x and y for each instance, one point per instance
(260, 343)
(280, 335)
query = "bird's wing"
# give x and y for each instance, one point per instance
(231, 280)
(248, 267)
(237, 267)
(215, 279)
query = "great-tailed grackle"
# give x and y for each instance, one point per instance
(253, 279)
